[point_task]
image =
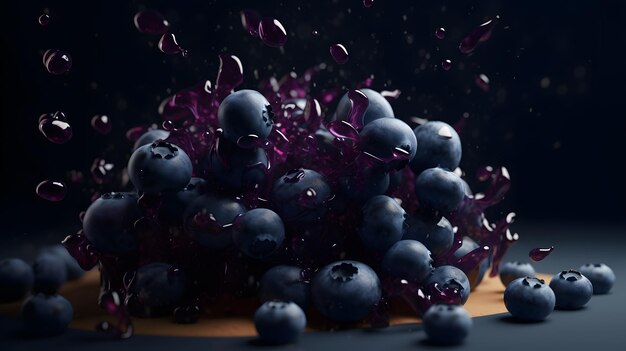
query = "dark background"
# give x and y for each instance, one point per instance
(562, 143)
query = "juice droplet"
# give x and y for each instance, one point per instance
(446, 65)
(250, 20)
(440, 33)
(151, 22)
(169, 45)
(102, 171)
(56, 61)
(229, 75)
(101, 124)
(44, 20)
(51, 190)
(539, 253)
(55, 127)
(368, 3)
(339, 53)
(272, 32)
(358, 105)
(482, 81)
(478, 35)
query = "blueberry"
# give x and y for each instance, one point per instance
(72, 267)
(109, 223)
(243, 113)
(409, 260)
(370, 181)
(237, 168)
(529, 299)
(436, 234)
(155, 289)
(601, 276)
(509, 271)
(476, 276)
(439, 146)
(285, 283)
(450, 277)
(390, 140)
(572, 290)
(301, 196)
(439, 190)
(150, 137)
(206, 216)
(447, 324)
(46, 315)
(279, 322)
(159, 167)
(174, 204)
(50, 273)
(382, 223)
(16, 279)
(258, 232)
(378, 107)
(345, 291)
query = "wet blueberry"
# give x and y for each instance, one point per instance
(438, 146)
(509, 271)
(301, 196)
(382, 223)
(447, 324)
(155, 289)
(439, 190)
(476, 276)
(50, 273)
(389, 140)
(150, 137)
(258, 232)
(436, 234)
(571, 289)
(208, 220)
(16, 279)
(285, 283)
(243, 113)
(600, 275)
(450, 277)
(409, 260)
(529, 299)
(378, 107)
(46, 315)
(159, 167)
(279, 322)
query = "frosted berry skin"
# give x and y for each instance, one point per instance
(159, 167)
(509, 271)
(237, 168)
(600, 275)
(109, 223)
(206, 217)
(285, 283)
(46, 315)
(571, 289)
(475, 276)
(155, 289)
(382, 223)
(301, 196)
(258, 232)
(49, 272)
(389, 139)
(150, 137)
(16, 279)
(279, 322)
(72, 267)
(439, 190)
(175, 204)
(345, 291)
(436, 234)
(378, 107)
(529, 299)
(449, 277)
(439, 146)
(409, 260)
(447, 324)
(243, 113)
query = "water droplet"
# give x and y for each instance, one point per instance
(539, 253)
(272, 32)
(440, 33)
(101, 124)
(482, 81)
(51, 190)
(478, 35)
(339, 53)
(55, 127)
(169, 45)
(151, 22)
(368, 3)
(56, 61)
(44, 19)
(250, 20)
(446, 65)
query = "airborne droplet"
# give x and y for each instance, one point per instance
(482, 81)
(51, 190)
(272, 32)
(55, 127)
(339, 53)
(446, 65)
(56, 61)
(440, 33)
(151, 22)
(169, 45)
(44, 19)
(478, 35)
(101, 124)
(539, 253)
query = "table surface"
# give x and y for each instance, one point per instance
(598, 324)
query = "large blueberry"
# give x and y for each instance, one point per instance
(50, 273)
(439, 190)
(571, 289)
(279, 322)
(436, 234)
(447, 324)
(258, 232)
(150, 137)
(285, 283)
(438, 146)
(600, 275)
(174, 205)
(509, 271)
(301, 195)
(16, 279)
(409, 260)
(449, 277)
(382, 223)
(475, 276)
(46, 315)
(206, 217)
(155, 289)
(529, 299)
(243, 113)
(390, 140)
(378, 107)
(159, 167)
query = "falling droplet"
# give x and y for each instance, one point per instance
(539, 253)
(101, 171)
(250, 20)
(358, 105)
(272, 32)
(315, 33)
(101, 124)
(229, 75)
(339, 53)
(151, 22)
(56, 61)
(55, 128)
(169, 45)
(440, 33)
(482, 81)
(478, 35)
(446, 65)
(51, 190)
(44, 19)
(368, 3)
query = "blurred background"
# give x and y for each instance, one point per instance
(553, 114)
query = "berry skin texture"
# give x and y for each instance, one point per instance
(447, 324)
(382, 223)
(436, 235)
(439, 146)
(439, 190)
(50, 273)
(409, 260)
(447, 277)
(72, 267)
(159, 167)
(529, 299)
(109, 223)
(243, 113)
(476, 276)
(301, 196)
(378, 107)
(285, 283)
(237, 168)
(46, 315)
(279, 322)
(572, 290)
(258, 232)
(386, 137)
(600, 275)
(150, 137)
(156, 288)
(205, 217)
(16, 279)
(345, 291)
(509, 271)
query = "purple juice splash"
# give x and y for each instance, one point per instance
(229, 75)
(151, 22)
(55, 127)
(272, 32)
(82, 250)
(56, 61)
(539, 253)
(339, 53)
(51, 190)
(112, 303)
(101, 124)
(482, 81)
(43, 20)
(358, 105)
(102, 171)
(440, 33)
(368, 3)
(169, 45)
(480, 34)
(446, 65)
(250, 20)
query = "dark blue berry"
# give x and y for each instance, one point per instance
(50, 273)
(16, 279)
(447, 324)
(243, 113)
(378, 107)
(301, 196)
(279, 322)
(529, 299)
(207, 220)
(438, 146)
(285, 283)
(390, 140)
(174, 204)
(409, 260)
(155, 289)
(449, 277)
(71, 266)
(439, 190)
(258, 232)
(238, 168)
(600, 275)
(436, 234)
(46, 315)
(159, 167)
(571, 289)
(345, 291)
(150, 137)
(509, 271)
(369, 182)
(475, 276)
(382, 223)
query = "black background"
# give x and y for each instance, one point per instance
(563, 144)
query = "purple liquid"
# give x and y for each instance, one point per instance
(151, 22)
(446, 65)
(55, 127)
(272, 32)
(102, 171)
(51, 190)
(358, 105)
(480, 34)
(101, 124)
(339, 53)
(482, 81)
(56, 61)
(250, 20)
(440, 33)
(368, 3)
(539, 253)
(44, 20)
(169, 45)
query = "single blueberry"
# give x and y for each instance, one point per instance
(382, 223)
(243, 113)
(447, 324)
(285, 283)
(529, 299)
(16, 279)
(409, 260)
(435, 233)
(572, 290)
(301, 195)
(258, 232)
(46, 315)
(439, 190)
(155, 289)
(208, 220)
(377, 107)
(509, 271)
(439, 146)
(450, 277)
(279, 322)
(600, 275)
(50, 273)
(159, 167)
(390, 140)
